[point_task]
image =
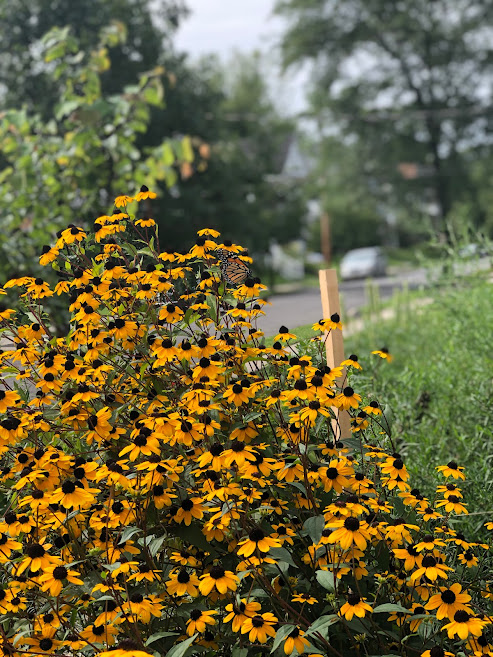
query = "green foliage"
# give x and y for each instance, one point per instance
(439, 385)
(230, 107)
(27, 81)
(170, 484)
(406, 82)
(56, 172)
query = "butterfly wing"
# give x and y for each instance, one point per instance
(234, 270)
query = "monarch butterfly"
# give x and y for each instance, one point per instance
(233, 269)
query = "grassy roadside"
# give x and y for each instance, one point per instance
(438, 391)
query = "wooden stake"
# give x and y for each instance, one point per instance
(329, 291)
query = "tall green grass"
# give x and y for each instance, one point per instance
(438, 391)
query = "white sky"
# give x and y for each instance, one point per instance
(222, 26)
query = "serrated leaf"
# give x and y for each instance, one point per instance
(327, 579)
(389, 607)
(181, 648)
(314, 526)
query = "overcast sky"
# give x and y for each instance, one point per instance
(222, 26)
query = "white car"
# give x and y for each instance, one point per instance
(363, 263)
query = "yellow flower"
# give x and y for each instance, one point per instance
(383, 353)
(449, 601)
(452, 470)
(199, 620)
(122, 201)
(259, 627)
(53, 577)
(238, 613)
(431, 568)
(453, 504)
(350, 531)
(182, 582)
(143, 194)
(347, 399)
(189, 509)
(48, 254)
(464, 624)
(145, 222)
(295, 641)
(304, 598)
(8, 398)
(256, 540)
(328, 324)
(218, 578)
(354, 606)
(205, 232)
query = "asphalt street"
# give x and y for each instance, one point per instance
(304, 307)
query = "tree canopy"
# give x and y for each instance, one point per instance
(411, 80)
(24, 78)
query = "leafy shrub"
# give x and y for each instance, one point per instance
(171, 485)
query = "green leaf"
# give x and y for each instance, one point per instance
(194, 536)
(153, 95)
(66, 108)
(389, 607)
(211, 301)
(190, 316)
(327, 579)
(239, 652)
(282, 634)
(128, 532)
(146, 251)
(252, 416)
(167, 157)
(322, 624)
(281, 554)
(314, 526)
(159, 635)
(156, 544)
(353, 443)
(181, 648)
(187, 150)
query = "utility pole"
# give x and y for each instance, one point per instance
(325, 237)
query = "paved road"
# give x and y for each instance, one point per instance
(305, 307)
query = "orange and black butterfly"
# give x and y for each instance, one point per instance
(233, 269)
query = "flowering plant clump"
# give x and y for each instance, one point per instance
(171, 485)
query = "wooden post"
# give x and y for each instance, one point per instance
(329, 292)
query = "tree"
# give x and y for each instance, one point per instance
(232, 191)
(410, 80)
(24, 78)
(65, 170)
(247, 135)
